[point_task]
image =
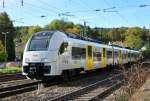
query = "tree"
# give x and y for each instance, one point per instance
(116, 34)
(6, 25)
(21, 32)
(29, 31)
(93, 33)
(56, 25)
(133, 37)
(3, 55)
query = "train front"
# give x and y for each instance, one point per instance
(40, 55)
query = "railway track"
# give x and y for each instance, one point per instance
(23, 88)
(92, 92)
(9, 77)
(17, 89)
(56, 84)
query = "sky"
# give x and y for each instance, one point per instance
(125, 13)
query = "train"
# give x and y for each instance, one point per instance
(52, 53)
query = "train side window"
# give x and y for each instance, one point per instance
(97, 56)
(116, 54)
(109, 54)
(83, 52)
(63, 46)
(78, 52)
(123, 55)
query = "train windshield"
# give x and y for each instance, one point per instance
(40, 41)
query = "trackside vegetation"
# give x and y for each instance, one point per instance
(10, 70)
(3, 55)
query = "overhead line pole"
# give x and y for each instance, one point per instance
(149, 38)
(3, 3)
(21, 2)
(84, 29)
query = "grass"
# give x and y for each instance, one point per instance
(122, 97)
(10, 70)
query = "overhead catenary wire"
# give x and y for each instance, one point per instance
(119, 14)
(42, 8)
(49, 10)
(50, 6)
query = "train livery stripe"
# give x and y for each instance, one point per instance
(89, 57)
(104, 58)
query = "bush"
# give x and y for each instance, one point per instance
(10, 70)
(3, 55)
(133, 80)
(146, 54)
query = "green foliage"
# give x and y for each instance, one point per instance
(3, 55)
(21, 33)
(117, 34)
(7, 26)
(146, 54)
(133, 38)
(56, 25)
(10, 70)
(63, 26)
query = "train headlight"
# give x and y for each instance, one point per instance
(27, 60)
(44, 60)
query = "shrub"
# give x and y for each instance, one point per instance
(3, 55)
(10, 70)
(146, 54)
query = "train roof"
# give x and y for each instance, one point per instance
(83, 40)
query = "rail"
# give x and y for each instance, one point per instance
(9, 77)
(79, 94)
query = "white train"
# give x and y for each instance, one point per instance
(51, 53)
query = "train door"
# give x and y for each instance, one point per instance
(89, 57)
(104, 58)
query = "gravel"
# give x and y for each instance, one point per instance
(14, 83)
(60, 89)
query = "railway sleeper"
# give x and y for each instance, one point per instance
(96, 93)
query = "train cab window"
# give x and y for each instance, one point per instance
(63, 46)
(40, 41)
